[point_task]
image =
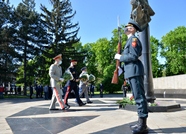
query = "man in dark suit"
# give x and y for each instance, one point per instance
(37, 90)
(41, 91)
(134, 72)
(101, 90)
(73, 85)
(31, 90)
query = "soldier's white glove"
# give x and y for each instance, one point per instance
(117, 56)
(61, 79)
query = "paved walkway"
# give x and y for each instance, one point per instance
(32, 116)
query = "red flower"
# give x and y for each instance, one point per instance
(132, 97)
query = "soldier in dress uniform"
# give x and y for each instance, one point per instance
(134, 72)
(55, 73)
(83, 86)
(73, 85)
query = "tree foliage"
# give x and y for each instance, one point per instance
(61, 37)
(100, 60)
(8, 54)
(62, 32)
(30, 36)
(157, 68)
(174, 51)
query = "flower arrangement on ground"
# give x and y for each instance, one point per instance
(152, 104)
(131, 101)
(126, 101)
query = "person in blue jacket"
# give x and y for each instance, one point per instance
(134, 73)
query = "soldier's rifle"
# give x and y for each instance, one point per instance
(115, 75)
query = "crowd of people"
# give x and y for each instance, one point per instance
(11, 89)
(40, 91)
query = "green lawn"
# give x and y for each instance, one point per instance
(27, 96)
(9, 95)
(15, 96)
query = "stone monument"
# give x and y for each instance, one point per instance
(141, 13)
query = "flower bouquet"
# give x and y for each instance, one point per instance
(67, 75)
(91, 78)
(84, 77)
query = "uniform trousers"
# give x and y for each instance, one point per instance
(72, 86)
(137, 86)
(84, 89)
(56, 96)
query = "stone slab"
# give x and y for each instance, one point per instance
(163, 106)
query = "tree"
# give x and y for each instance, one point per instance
(90, 60)
(8, 58)
(62, 32)
(174, 51)
(100, 60)
(103, 57)
(156, 67)
(30, 36)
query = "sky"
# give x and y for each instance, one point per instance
(98, 18)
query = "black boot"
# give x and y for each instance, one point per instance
(141, 128)
(134, 126)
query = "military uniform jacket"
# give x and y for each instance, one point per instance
(75, 76)
(55, 73)
(130, 56)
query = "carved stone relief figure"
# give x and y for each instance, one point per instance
(141, 12)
